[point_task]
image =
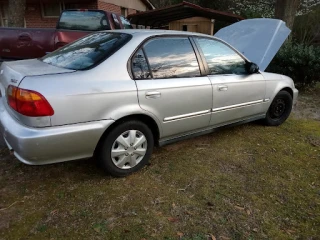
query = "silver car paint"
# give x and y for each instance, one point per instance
(36, 146)
(86, 103)
(277, 82)
(177, 97)
(231, 90)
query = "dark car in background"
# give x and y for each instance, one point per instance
(26, 43)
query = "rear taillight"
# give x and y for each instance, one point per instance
(28, 102)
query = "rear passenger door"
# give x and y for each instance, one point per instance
(170, 84)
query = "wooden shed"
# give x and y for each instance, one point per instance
(194, 24)
(183, 17)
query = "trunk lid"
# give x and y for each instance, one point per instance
(257, 39)
(12, 73)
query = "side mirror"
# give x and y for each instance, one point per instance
(252, 68)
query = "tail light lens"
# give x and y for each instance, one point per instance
(28, 102)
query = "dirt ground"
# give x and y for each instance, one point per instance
(308, 105)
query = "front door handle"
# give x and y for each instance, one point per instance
(223, 88)
(153, 94)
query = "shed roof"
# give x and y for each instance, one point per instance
(163, 16)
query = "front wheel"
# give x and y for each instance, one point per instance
(126, 149)
(279, 109)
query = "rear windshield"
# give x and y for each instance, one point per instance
(83, 20)
(87, 51)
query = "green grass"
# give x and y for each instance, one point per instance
(245, 182)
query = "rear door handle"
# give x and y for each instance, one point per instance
(153, 94)
(223, 88)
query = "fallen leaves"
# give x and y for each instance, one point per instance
(54, 212)
(244, 209)
(2, 209)
(180, 234)
(239, 208)
(172, 219)
(289, 231)
(248, 211)
(224, 238)
(212, 237)
(210, 204)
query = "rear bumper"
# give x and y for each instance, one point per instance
(38, 146)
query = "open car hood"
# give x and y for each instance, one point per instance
(257, 39)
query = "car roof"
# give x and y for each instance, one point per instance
(154, 32)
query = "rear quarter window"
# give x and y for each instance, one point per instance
(88, 51)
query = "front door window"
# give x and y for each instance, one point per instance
(221, 59)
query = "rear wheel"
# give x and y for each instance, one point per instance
(126, 149)
(279, 109)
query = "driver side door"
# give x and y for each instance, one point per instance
(237, 94)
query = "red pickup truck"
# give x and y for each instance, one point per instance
(24, 43)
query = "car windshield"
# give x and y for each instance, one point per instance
(87, 51)
(90, 21)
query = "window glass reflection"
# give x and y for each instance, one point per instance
(116, 21)
(126, 23)
(172, 58)
(140, 67)
(221, 59)
(90, 21)
(87, 51)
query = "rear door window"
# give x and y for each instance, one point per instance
(87, 51)
(171, 57)
(90, 20)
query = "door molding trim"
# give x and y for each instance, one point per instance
(236, 106)
(178, 117)
(166, 141)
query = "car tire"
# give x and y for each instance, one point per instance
(126, 148)
(279, 109)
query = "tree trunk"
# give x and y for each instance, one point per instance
(286, 10)
(16, 13)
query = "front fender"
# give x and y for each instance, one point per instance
(274, 84)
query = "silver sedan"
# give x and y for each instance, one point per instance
(116, 94)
